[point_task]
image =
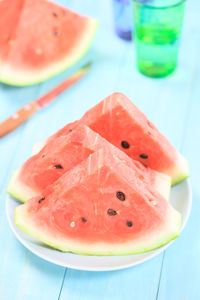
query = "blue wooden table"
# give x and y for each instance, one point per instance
(173, 104)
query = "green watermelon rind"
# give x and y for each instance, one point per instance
(163, 185)
(180, 176)
(24, 223)
(12, 77)
(183, 173)
(18, 190)
(38, 147)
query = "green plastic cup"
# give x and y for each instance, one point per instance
(157, 34)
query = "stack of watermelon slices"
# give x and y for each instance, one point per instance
(100, 185)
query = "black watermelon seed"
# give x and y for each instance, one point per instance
(70, 130)
(111, 212)
(58, 167)
(42, 199)
(84, 220)
(129, 223)
(43, 155)
(144, 156)
(125, 145)
(121, 196)
(56, 32)
(55, 14)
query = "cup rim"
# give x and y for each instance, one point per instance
(160, 7)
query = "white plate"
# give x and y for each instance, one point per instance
(181, 199)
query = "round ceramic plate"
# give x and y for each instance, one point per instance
(181, 200)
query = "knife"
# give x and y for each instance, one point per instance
(30, 108)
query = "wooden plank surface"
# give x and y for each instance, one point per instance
(172, 104)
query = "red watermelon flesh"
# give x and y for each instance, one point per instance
(120, 122)
(63, 153)
(43, 39)
(63, 131)
(10, 14)
(100, 208)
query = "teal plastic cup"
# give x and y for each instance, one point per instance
(158, 25)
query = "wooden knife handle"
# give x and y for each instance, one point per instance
(18, 118)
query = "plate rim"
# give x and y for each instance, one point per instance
(152, 254)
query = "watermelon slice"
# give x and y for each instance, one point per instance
(39, 39)
(63, 153)
(100, 208)
(120, 122)
(63, 131)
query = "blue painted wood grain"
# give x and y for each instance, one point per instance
(173, 104)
